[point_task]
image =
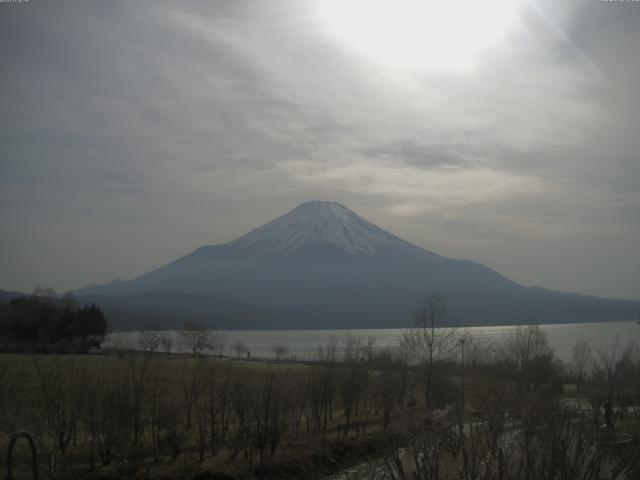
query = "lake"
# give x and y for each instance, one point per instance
(303, 344)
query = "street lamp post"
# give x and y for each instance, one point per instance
(462, 342)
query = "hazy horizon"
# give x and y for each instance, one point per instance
(134, 133)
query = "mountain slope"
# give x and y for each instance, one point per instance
(329, 268)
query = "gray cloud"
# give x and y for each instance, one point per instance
(134, 132)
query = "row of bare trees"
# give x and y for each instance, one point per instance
(194, 339)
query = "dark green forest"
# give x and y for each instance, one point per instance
(50, 323)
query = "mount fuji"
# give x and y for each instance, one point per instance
(323, 266)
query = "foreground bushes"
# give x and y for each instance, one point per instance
(145, 409)
(499, 412)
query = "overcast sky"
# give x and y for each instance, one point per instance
(134, 132)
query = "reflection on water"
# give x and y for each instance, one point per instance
(303, 344)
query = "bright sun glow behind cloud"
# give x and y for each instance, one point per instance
(419, 35)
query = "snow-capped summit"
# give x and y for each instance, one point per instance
(318, 222)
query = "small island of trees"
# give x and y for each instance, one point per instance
(46, 322)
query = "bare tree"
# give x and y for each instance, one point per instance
(527, 351)
(431, 338)
(328, 356)
(69, 300)
(166, 341)
(46, 292)
(135, 400)
(270, 412)
(369, 348)
(218, 407)
(58, 402)
(580, 358)
(613, 378)
(218, 343)
(239, 348)
(194, 337)
(148, 341)
(192, 383)
(279, 350)
(353, 378)
(388, 383)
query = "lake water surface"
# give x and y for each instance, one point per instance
(303, 344)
